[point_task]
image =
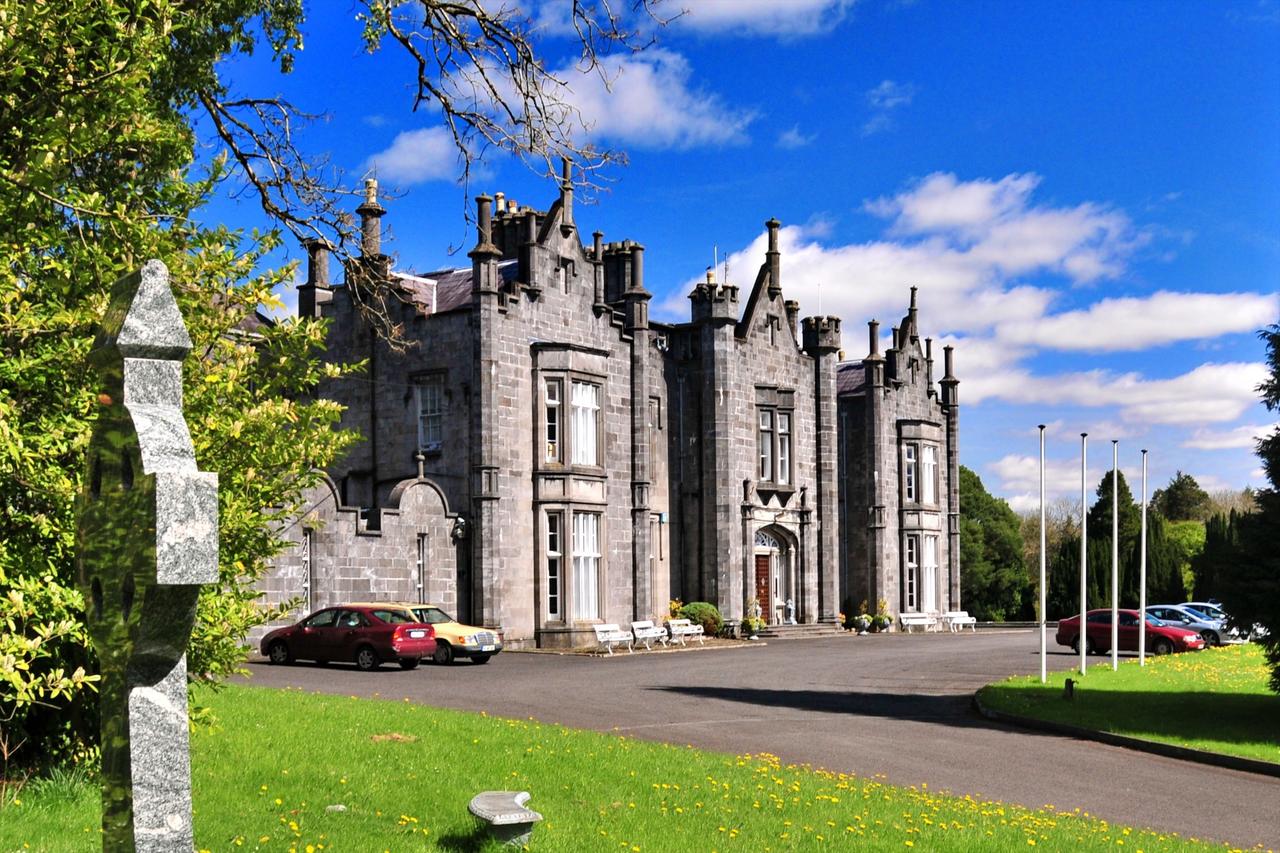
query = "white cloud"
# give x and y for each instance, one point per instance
(1136, 323)
(889, 95)
(764, 17)
(1240, 437)
(647, 101)
(1020, 474)
(793, 138)
(1211, 393)
(417, 156)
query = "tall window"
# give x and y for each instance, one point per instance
(930, 582)
(766, 444)
(554, 570)
(586, 409)
(430, 413)
(422, 568)
(553, 420)
(929, 474)
(784, 448)
(911, 474)
(586, 565)
(912, 580)
(308, 546)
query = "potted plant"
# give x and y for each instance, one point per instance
(753, 621)
(881, 621)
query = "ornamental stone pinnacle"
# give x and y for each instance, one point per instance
(147, 538)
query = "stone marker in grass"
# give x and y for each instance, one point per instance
(147, 537)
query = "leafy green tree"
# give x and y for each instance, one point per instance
(1182, 499)
(1130, 515)
(995, 585)
(94, 179)
(1188, 537)
(1249, 584)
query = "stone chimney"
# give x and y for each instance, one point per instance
(371, 214)
(774, 259)
(317, 290)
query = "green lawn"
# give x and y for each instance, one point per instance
(1216, 699)
(264, 777)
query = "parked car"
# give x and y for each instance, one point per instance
(368, 634)
(453, 639)
(1214, 610)
(1214, 632)
(1161, 638)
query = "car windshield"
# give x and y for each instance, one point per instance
(1152, 620)
(394, 617)
(431, 615)
(1197, 614)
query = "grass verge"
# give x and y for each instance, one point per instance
(1215, 700)
(266, 777)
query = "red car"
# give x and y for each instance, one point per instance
(366, 634)
(1161, 637)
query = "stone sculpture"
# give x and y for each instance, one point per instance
(147, 537)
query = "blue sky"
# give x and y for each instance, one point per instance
(1087, 195)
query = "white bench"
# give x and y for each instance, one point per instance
(503, 813)
(957, 619)
(683, 628)
(646, 632)
(925, 620)
(610, 635)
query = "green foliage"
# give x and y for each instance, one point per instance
(1248, 576)
(1187, 538)
(1182, 499)
(94, 179)
(704, 614)
(995, 584)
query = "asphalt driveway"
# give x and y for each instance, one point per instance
(892, 705)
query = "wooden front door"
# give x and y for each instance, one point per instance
(762, 585)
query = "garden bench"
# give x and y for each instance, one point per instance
(683, 628)
(646, 632)
(925, 620)
(504, 815)
(957, 619)
(609, 635)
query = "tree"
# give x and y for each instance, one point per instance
(1249, 584)
(995, 583)
(101, 103)
(1182, 499)
(1130, 515)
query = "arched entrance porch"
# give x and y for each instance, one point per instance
(773, 569)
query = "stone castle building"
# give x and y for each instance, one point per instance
(544, 456)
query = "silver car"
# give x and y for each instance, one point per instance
(1214, 632)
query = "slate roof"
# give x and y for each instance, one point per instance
(851, 376)
(452, 288)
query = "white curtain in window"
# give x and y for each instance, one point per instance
(930, 574)
(929, 474)
(586, 565)
(586, 405)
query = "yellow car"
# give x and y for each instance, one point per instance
(453, 639)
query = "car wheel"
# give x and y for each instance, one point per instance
(367, 659)
(1209, 637)
(1075, 645)
(480, 658)
(1090, 647)
(443, 654)
(279, 653)
(1162, 647)
(408, 663)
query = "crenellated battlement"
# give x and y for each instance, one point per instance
(820, 335)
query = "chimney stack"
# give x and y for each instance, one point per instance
(873, 329)
(370, 220)
(566, 195)
(774, 258)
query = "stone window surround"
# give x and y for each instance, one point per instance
(920, 575)
(419, 381)
(566, 378)
(775, 401)
(565, 510)
(917, 436)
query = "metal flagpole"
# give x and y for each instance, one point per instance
(1115, 555)
(1044, 648)
(1142, 572)
(1083, 640)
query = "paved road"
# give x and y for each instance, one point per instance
(896, 705)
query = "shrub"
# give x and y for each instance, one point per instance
(703, 614)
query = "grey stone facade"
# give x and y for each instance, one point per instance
(899, 476)
(583, 463)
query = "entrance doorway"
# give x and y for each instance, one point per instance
(763, 591)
